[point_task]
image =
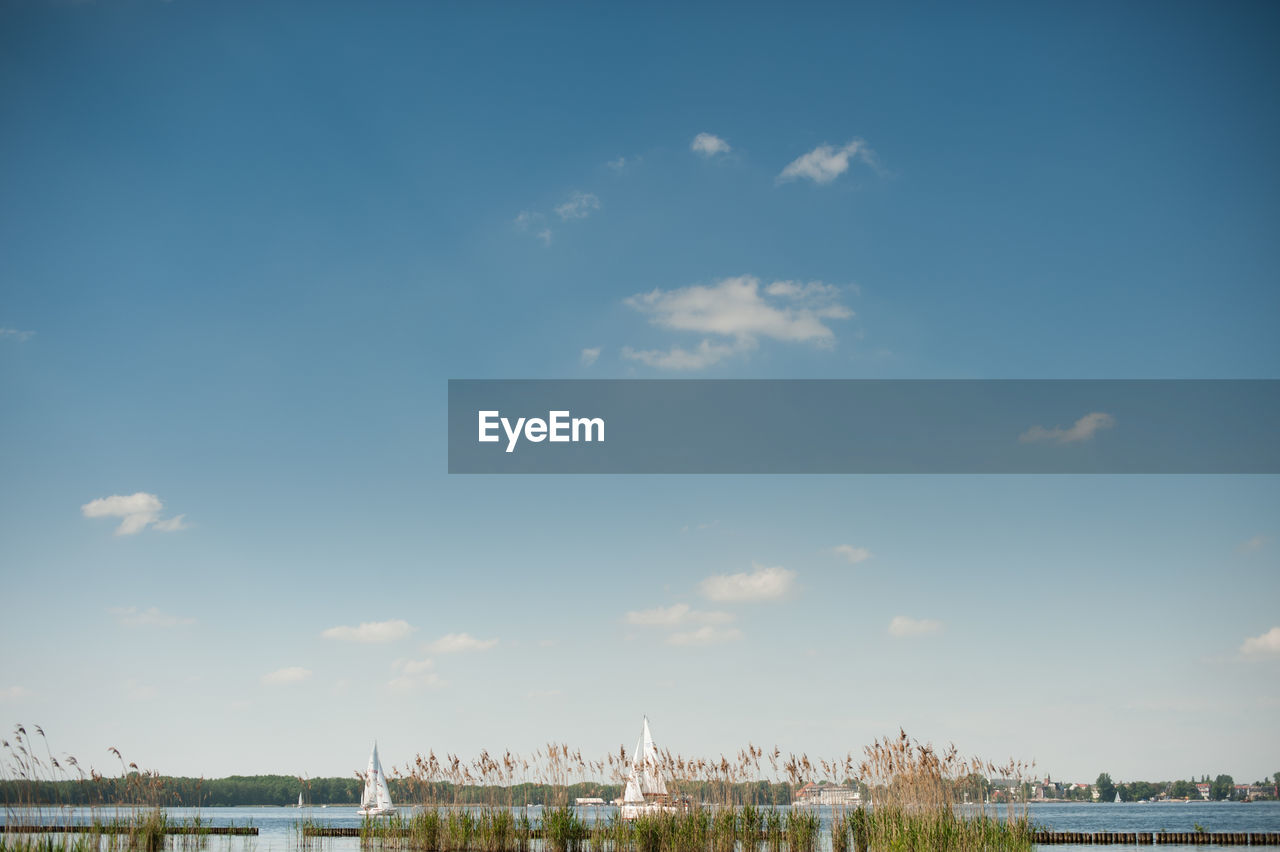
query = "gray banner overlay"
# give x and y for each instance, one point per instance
(866, 426)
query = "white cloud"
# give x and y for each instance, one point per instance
(414, 666)
(136, 691)
(136, 511)
(902, 625)
(177, 522)
(529, 220)
(620, 164)
(1266, 645)
(1083, 429)
(414, 674)
(736, 309)
(708, 145)
(15, 334)
(761, 584)
(707, 635)
(579, 206)
(14, 693)
(804, 290)
(678, 358)
(851, 553)
(826, 163)
(1253, 545)
(589, 356)
(289, 674)
(676, 614)
(371, 631)
(131, 616)
(453, 643)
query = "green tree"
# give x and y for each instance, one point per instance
(1221, 788)
(1105, 787)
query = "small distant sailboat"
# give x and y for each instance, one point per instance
(299, 799)
(1117, 797)
(376, 798)
(646, 791)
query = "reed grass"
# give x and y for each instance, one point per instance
(913, 798)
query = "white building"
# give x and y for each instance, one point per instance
(827, 794)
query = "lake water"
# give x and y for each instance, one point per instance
(277, 827)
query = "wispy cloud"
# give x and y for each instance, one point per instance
(705, 354)
(1082, 430)
(135, 690)
(903, 626)
(1266, 645)
(854, 555)
(579, 206)
(590, 356)
(131, 616)
(623, 163)
(707, 635)
(740, 314)
(415, 674)
(287, 675)
(1253, 545)
(16, 335)
(826, 163)
(760, 584)
(531, 221)
(454, 643)
(371, 631)
(734, 307)
(709, 145)
(676, 614)
(14, 693)
(136, 512)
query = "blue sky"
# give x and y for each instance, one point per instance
(247, 245)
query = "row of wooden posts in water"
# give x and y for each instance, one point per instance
(1157, 838)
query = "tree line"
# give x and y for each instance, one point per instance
(283, 790)
(1221, 788)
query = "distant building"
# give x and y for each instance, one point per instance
(1046, 789)
(826, 794)
(1203, 789)
(583, 801)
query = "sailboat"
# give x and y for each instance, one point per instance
(299, 799)
(646, 791)
(1117, 797)
(376, 798)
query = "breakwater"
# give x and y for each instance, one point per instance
(1157, 838)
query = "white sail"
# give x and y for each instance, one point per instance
(645, 791)
(651, 783)
(633, 792)
(299, 800)
(375, 798)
